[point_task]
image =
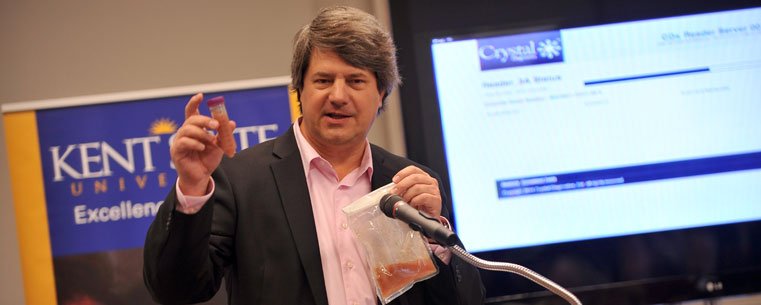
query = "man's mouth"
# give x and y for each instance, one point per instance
(337, 115)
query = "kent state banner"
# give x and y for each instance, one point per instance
(88, 179)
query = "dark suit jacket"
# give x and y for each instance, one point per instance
(258, 231)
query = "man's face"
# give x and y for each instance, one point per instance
(339, 102)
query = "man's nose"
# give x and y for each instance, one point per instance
(339, 92)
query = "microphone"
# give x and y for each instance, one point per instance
(394, 207)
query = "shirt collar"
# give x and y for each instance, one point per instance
(308, 153)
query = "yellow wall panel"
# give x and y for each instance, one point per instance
(29, 203)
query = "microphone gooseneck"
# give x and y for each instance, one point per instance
(517, 269)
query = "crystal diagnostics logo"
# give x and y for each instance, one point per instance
(520, 50)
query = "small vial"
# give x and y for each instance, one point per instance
(224, 132)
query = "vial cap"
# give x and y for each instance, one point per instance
(216, 101)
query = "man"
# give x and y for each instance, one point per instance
(269, 219)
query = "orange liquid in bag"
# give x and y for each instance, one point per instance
(392, 278)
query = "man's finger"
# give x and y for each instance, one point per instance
(414, 190)
(202, 122)
(188, 144)
(196, 133)
(409, 170)
(192, 107)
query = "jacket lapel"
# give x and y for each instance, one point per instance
(381, 174)
(294, 194)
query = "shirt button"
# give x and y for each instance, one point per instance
(350, 265)
(344, 225)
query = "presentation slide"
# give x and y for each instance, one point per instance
(602, 131)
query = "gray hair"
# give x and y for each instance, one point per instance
(356, 37)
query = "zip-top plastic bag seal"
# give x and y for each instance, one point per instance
(398, 256)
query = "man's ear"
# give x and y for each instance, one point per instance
(381, 100)
(298, 99)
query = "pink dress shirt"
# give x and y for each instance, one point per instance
(344, 264)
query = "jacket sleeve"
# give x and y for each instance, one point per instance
(185, 255)
(457, 280)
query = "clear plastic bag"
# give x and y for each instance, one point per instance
(398, 256)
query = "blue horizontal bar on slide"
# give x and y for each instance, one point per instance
(507, 188)
(636, 77)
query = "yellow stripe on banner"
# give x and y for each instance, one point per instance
(294, 101)
(29, 202)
